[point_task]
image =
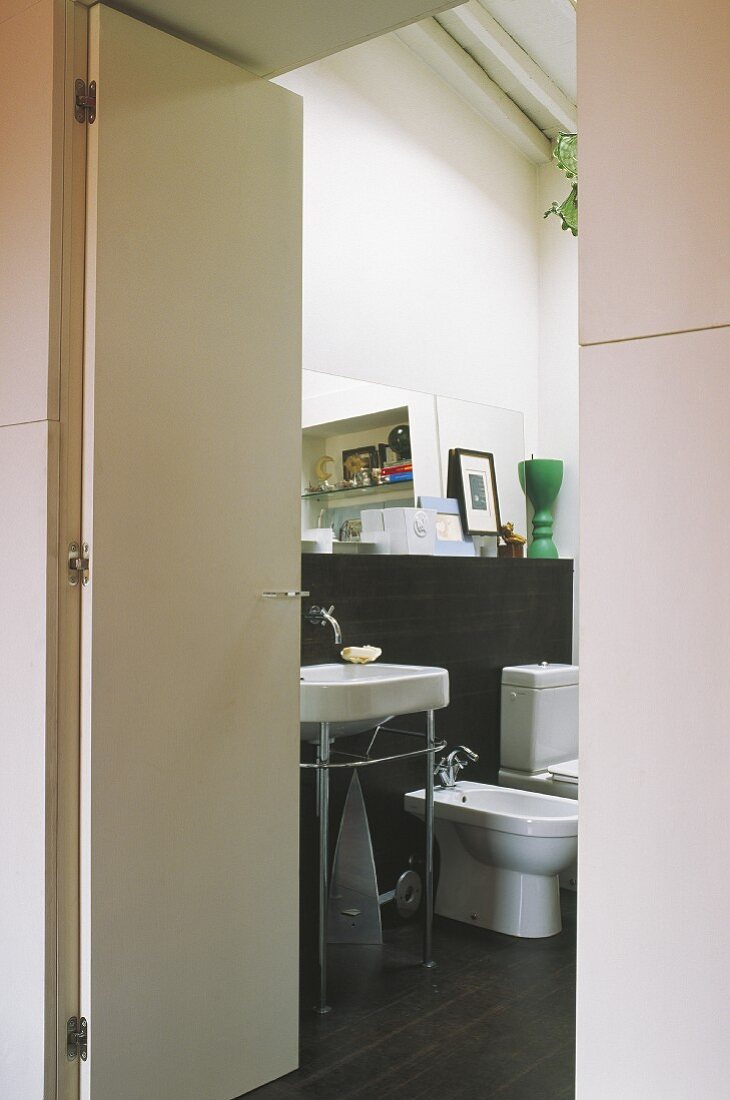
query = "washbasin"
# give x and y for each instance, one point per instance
(355, 698)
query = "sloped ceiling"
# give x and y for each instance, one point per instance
(513, 61)
(270, 37)
(546, 30)
(529, 58)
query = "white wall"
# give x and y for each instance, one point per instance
(654, 898)
(420, 235)
(25, 455)
(28, 390)
(653, 928)
(558, 366)
(662, 207)
(427, 261)
(29, 364)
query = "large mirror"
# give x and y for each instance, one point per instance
(368, 447)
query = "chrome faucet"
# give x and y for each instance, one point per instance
(448, 768)
(318, 616)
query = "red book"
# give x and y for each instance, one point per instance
(397, 468)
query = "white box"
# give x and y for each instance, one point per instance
(411, 530)
(317, 540)
(373, 531)
(372, 519)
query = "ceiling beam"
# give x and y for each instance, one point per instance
(482, 37)
(442, 54)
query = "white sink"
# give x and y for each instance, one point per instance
(355, 698)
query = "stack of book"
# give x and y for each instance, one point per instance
(398, 471)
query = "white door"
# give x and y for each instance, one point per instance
(190, 679)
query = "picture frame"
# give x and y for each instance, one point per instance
(386, 455)
(450, 538)
(363, 458)
(473, 482)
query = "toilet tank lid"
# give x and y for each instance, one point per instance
(544, 675)
(568, 771)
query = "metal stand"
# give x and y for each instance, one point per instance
(323, 810)
(323, 766)
(354, 898)
(428, 900)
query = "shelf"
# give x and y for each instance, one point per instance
(392, 488)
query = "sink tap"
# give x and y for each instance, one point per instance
(319, 616)
(448, 768)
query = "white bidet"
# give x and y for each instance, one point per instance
(501, 854)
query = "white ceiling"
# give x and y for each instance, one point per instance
(270, 37)
(513, 61)
(546, 30)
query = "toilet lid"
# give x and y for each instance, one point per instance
(567, 772)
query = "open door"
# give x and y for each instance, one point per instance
(190, 681)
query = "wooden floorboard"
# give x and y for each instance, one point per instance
(496, 1018)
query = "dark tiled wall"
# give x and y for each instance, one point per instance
(471, 616)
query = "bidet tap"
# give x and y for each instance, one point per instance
(448, 768)
(317, 616)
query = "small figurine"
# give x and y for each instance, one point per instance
(321, 473)
(509, 535)
(514, 544)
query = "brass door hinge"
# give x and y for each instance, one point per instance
(85, 105)
(77, 1036)
(78, 564)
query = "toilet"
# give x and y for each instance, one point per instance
(502, 852)
(538, 743)
(539, 733)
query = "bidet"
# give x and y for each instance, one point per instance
(502, 852)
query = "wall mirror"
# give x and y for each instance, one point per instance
(351, 428)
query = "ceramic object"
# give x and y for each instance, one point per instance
(538, 732)
(502, 853)
(354, 698)
(541, 479)
(538, 740)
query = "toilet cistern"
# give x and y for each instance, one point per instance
(448, 768)
(318, 616)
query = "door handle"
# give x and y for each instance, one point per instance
(285, 594)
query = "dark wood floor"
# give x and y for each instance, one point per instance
(496, 1018)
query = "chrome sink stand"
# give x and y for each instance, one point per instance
(323, 813)
(323, 765)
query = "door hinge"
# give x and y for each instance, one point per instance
(85, 109)
(77, 1036)
(78, 564)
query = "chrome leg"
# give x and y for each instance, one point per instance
(323, 806)
(428, 900)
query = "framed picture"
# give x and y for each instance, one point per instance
(386, 455)
(450, 538)
(357, 459)
(473, 482)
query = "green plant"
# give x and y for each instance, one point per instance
(565, 155)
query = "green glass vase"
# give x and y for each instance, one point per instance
(541, 479)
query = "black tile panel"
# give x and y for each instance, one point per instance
(471, 616)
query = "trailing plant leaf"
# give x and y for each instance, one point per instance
(565, 155)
